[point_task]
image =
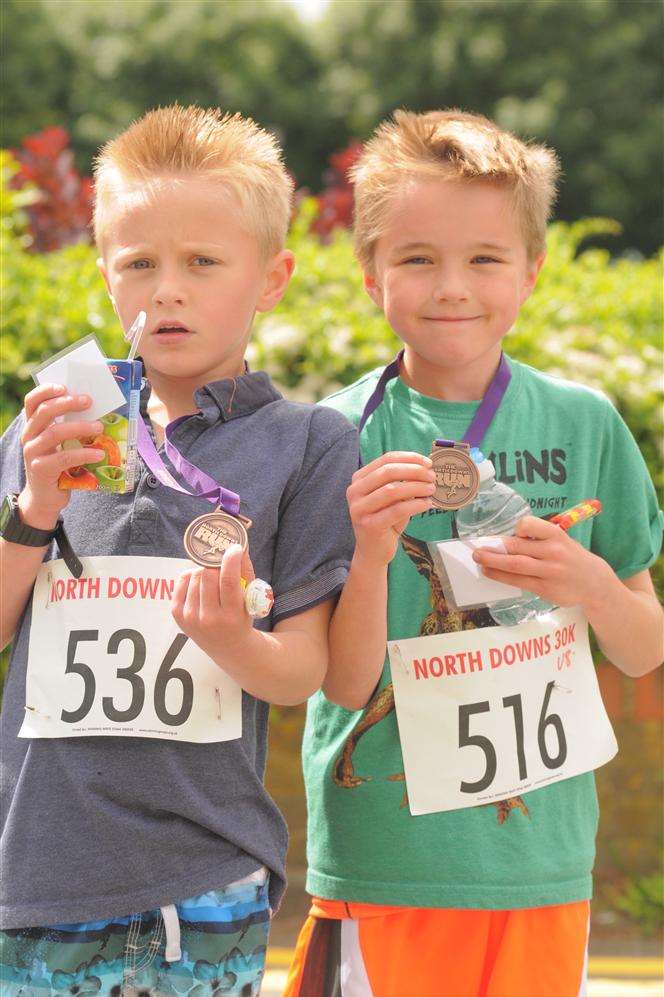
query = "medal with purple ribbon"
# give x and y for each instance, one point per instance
(457, 477)
(208, 537)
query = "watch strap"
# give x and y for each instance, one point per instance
(16, 531)
(28, 536)
(67, 551)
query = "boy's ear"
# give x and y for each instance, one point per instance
(279, 272)
(373, 289)
(532, 274)
(101, 266)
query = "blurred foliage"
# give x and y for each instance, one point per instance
(630, 864)
(584, 77)
(14, 203)
(93, 67)
(643, 901)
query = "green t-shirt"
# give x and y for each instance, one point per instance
(556, 443)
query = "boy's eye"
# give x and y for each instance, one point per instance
(139, 265)
(485, 259)
(204, 261)
(417, 259)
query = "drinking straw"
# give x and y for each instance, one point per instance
(134, 334)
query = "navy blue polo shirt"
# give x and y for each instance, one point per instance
(101, 826)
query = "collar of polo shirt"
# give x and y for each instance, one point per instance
(230, 398)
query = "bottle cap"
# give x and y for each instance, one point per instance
(484, 466)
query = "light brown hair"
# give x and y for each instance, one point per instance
(186, 142)
(450, 145)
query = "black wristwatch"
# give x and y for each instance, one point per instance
(14, 530)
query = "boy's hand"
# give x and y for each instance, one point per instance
(208, 604)
(41, 501)
(382, 498)
(543, 559)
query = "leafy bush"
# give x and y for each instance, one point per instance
(642, 900)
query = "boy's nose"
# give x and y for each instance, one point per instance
(450, 286)
(169, 291)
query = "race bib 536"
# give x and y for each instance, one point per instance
(107, 658)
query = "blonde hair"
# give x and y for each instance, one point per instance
(185, 142)
(456, 146)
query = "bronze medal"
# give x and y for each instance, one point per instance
(208, 537)
(457, 477)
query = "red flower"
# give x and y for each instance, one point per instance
(335, 203)
(62, 214)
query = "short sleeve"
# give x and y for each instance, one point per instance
(628, 533)
(315, 537)
(12, 469)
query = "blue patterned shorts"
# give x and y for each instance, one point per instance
(212, 945)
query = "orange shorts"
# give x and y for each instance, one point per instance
(365, 950)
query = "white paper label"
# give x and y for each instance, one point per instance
(83, 370)
(488, 714)
(107, 658)
(470, 586)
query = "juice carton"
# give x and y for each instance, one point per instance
(116, 471)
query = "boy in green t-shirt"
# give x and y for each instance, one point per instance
(490, 896)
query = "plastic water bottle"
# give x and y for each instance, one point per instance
(495, 511)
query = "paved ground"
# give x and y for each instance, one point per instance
(609, 977)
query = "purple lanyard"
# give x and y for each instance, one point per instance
(202, 484)
(483, 417)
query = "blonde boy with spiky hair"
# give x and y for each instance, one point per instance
(490, 898)
(143, 855)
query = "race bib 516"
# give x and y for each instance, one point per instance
(492, 713)
(107, 658)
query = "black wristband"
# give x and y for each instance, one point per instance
(67, 551)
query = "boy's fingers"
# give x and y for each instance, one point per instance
(397, 516)
(395, 457)
(512, 564)
(390, 495)
(525, 582)
(538, 549)
(209, 592)
(41, 394)
(46, 412)
(180, 593)
(193, 597)
(56, 434)
(50, 466)
(247, 569)
(230, 589)
(389, 473)
(537, 528)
